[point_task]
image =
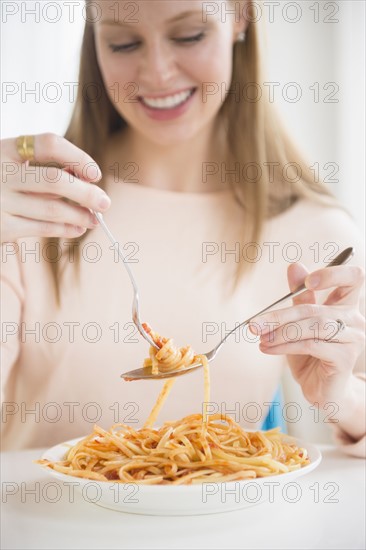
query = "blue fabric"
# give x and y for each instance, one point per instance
(274, 417)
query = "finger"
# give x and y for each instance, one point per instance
(314, 328)
(347, 278)
(40, 207)
(51, 148)
(296, 275)
(273, 320)
(328, 352)
(19, 227)
(58, 182)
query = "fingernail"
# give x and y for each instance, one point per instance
(79, 229)
(93, 220)
(312, 281)
(104, 202)
(99, 173)
(258, 325)
(91, 172)
(264, 344)
(254, 328)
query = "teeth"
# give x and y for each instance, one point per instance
(168, 102)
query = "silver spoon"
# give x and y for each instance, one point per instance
(135, 305)
(146, 372)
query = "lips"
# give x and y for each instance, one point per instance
(167, 101)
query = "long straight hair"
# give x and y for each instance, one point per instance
(275, 175)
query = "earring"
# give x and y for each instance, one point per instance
(240, 37)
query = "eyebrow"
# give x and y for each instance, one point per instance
(174, 19)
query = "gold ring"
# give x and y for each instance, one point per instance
(25, 147)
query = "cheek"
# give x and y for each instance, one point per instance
(212, 64)
(117, 74)
(213, 70)
(221, 60)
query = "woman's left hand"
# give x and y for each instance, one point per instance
(321, 356)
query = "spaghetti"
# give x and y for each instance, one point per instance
(177, 453)
(169, 358)
(196, 449)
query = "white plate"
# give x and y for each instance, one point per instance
(182, 500)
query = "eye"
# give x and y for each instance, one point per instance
(116, 48)
(126, 48)
(191, 39)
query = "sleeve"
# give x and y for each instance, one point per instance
(12, 299)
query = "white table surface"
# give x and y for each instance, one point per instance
(337, 520)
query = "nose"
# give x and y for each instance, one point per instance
(158, 66)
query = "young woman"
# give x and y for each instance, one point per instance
(212, 204)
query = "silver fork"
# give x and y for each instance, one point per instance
(135, 304)
(146, 374)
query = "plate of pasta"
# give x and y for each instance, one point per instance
(172, 480)
(200, 464)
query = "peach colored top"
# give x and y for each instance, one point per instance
(61, 367)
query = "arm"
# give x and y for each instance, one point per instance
(327, 369)
(12, 299)
(350, 430)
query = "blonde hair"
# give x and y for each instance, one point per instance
(255, 137)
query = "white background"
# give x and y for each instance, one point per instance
(316, 44)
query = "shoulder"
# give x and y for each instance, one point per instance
(314, 218)
(306, 209)
(319, 231)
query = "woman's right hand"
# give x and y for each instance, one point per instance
(32, 202)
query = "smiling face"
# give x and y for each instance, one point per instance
(158, 58)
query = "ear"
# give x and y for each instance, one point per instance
(241, 15)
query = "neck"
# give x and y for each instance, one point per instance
(194, 166)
